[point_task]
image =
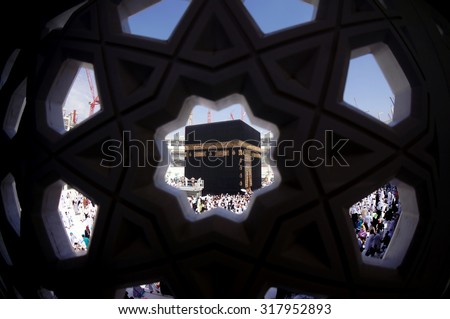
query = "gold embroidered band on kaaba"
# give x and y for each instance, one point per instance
(222, 145)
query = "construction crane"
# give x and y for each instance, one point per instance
(95, 98)
(209, 116)
(232, 116)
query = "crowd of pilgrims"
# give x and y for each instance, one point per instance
(375, 218)
(156, 290)
(78, 216)
(235, 203)
(180, 181)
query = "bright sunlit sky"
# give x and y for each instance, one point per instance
(159, 20)
(235, 111)
(365, 88)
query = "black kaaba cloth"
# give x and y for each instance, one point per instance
(226, 155)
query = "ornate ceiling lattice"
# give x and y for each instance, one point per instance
(297, 235)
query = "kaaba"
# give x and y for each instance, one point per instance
(226, 155)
